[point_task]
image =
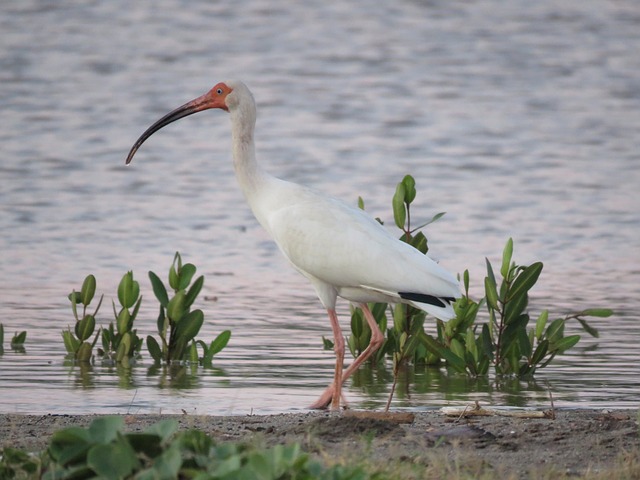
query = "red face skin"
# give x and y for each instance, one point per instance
(214, 98)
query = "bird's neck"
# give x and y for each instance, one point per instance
(250, 176)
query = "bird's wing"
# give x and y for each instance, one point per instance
(344, 247)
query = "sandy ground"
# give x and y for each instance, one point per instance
(576, 441)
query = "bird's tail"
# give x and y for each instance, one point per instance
(439, 307)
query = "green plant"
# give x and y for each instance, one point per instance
(17, 341)
(18, 464)
(177, 324)
(103, 450)
(464, 344)
(121, 343)
(505, 341)
(76, 342)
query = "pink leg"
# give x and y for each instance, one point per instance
(334, 390)
(338, 347)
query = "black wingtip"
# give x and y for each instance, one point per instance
(441, 302)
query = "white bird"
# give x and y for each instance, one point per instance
(340, 249)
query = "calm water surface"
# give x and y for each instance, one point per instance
(517, 119)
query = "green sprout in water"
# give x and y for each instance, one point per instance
(76, 341)
(177, 324)
(121, 343)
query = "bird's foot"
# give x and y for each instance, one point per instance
(326, 399)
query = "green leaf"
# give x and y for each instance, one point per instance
(596, 312)
(162, 323)
(85, 327)
(159, 289)
(523, 342)
(186, 274)
(360, 203)
(220, 342)
(419, 242)
(540, 352)
(194, 291)
(167, 466)
(491, 292)
(19, 338)
(154, 349)
(189, 326)
(176, 308)
(88, 290)
(434, 346)
(541, 323)
(105, 429)
(457, 348)
(122, 321)
(525, 280)
(69, 445)
(136, 308)
(112, 461)
(435, 218)
(75, 297)
(399, 318)
(506, 258)
(409, 189)
(486, 341)
(399, 210)
(128, 290)
(565, 343)
(515, 307)
(514, 329)
(587, 328)
(71, 343)
(174, 279)
(357, 322)
(555, 331)
(163, 429)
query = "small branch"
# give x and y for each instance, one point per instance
(478, 411)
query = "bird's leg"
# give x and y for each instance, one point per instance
(338, 347)
(377, 339)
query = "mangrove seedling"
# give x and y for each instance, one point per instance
(76, 341)
(177, 324)
(121, 343)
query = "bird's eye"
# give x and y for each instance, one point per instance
(219, 91)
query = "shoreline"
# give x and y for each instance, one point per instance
(510, 444)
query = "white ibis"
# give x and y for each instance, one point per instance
(340, 249)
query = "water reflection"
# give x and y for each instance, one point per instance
(518, 119)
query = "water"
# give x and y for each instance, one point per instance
(517, 119)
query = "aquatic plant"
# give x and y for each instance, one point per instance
(121, 343)
(463, 343)
(17, 341)
(177, 324)
(76, 341)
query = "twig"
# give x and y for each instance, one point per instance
(553, 410)
(487, 412)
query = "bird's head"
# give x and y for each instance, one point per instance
(225, 95)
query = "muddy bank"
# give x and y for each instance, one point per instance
(574, 442)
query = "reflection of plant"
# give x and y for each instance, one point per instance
(122, 343)
(76, 342)
(177, 324)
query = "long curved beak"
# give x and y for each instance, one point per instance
(205, 102)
